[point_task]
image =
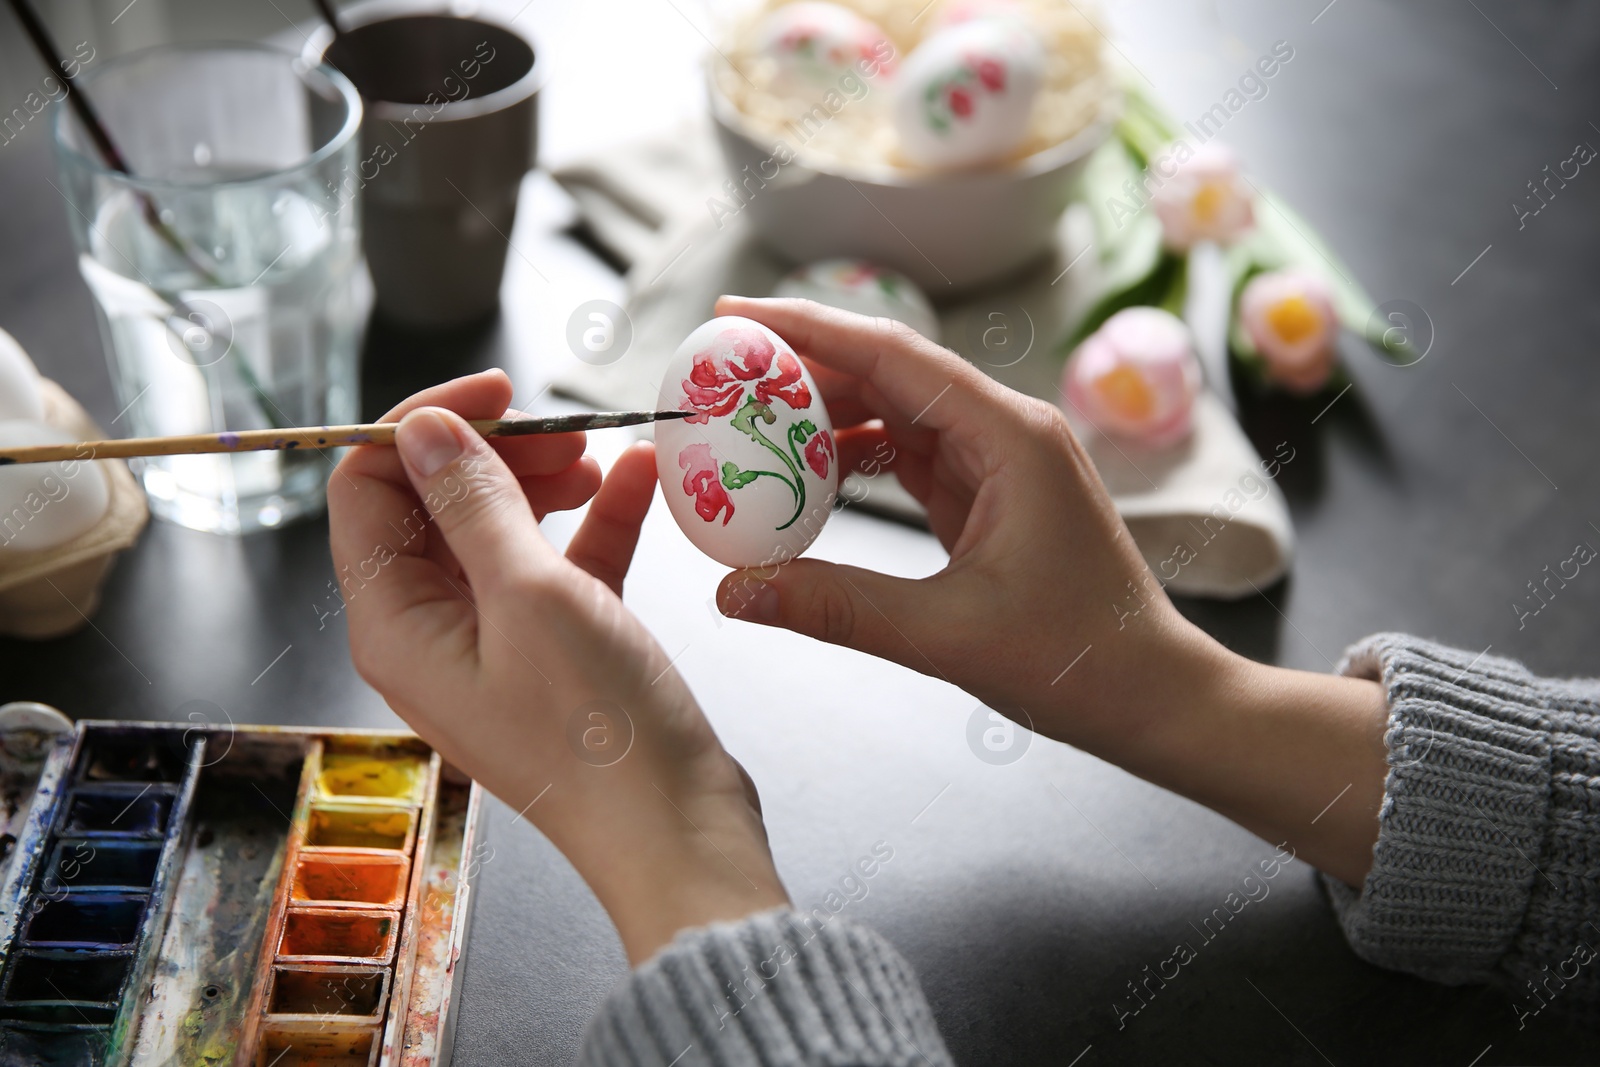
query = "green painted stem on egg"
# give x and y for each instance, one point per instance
(744, 421)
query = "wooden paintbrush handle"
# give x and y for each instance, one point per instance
(315, 438)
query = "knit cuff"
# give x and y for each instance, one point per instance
(775, 988)
(1465, 810)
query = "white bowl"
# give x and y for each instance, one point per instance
(949, 232)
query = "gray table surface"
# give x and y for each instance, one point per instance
(1028, 896)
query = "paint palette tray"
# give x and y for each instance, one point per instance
(241, 896)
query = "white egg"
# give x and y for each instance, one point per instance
(814, 44)
(752, 477)
(20, 396)
(966, 94)
(865, 288)
(43, 505)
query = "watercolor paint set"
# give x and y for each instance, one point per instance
(234, 896)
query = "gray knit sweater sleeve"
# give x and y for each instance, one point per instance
(777, 988)
(1487, 864)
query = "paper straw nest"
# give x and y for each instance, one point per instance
(1077, 87)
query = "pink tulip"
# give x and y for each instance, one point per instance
(1289, 316)
(1136, 377)
(1206, 200)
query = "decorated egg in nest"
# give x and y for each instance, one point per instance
(813, 45)
(965, 96)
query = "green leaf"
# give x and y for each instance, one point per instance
(1145, 127)
(1133, 253)
(734, 478)
(1391, 336)
(1139, 103)
(1103, 185)
(1282, 238)
(1241, 267)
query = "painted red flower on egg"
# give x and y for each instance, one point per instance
(787, 385)
(992, 73)
(701, 483)
(716, 377)
(819, 453)
(954, 96)
(742, 373)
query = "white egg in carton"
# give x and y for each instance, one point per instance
(61, 524)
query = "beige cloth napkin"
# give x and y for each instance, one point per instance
(1206, 514)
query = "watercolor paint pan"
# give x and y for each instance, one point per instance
(85, 865)
(337, 878)
(143, 811)
(35, 763)
(383, 828)
(210, 875)
(367, 803)
(67, 987)
(373, 774)
(319, 1045)
(328, 935)
(72, 930)
(308, 993)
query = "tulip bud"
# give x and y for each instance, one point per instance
(1136, 377)
(1206, 200)
(1289, 316)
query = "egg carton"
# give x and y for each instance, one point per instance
(54, 591)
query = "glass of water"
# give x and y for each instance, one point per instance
(227, 274)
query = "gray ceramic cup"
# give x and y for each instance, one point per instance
(451, 128)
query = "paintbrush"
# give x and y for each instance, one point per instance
(314, 437)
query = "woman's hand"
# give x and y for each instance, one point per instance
(1046, 610)
(1038, 613)
(523, 668)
